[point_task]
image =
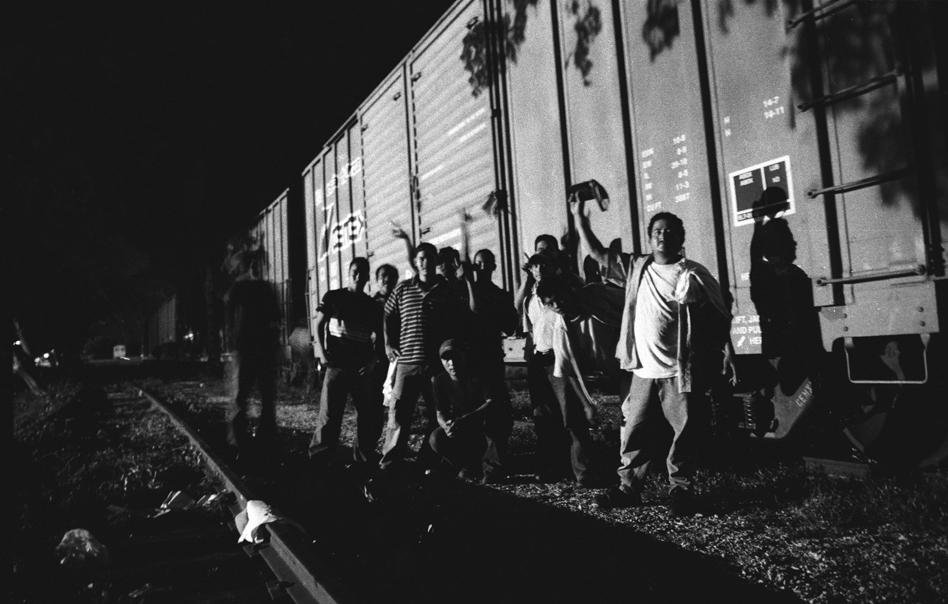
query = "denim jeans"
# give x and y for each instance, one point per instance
(410, 381)
(559, 420)
(650, 407)
(338, 384)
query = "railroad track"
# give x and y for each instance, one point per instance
(287, 549)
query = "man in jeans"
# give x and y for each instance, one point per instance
(349, 343)
(559, 418)
(420, 314)
(674, 329)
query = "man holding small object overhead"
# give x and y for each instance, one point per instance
(673, 336)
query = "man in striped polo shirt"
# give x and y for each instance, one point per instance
(420, 314)
(349, 343)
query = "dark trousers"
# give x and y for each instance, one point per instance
(469, 450)
(558, 418)
(651, 406)
(498, 425)
(410, 381)
(338, 384)
(250, 371)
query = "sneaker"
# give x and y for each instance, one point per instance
(617, 497)
(682, 503)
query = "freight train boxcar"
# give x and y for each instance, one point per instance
(802, 143)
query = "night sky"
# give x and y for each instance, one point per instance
(144, 134)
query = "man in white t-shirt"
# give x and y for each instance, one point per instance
(675, 329)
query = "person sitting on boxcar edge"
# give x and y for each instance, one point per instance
(493, 316)
(464, 404)
(420, 313)
(675, 326)
(254, 313)
(558, 415)
(349, 342)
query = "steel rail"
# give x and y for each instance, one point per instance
(288, 551)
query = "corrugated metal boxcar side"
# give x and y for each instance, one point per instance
(828, 115)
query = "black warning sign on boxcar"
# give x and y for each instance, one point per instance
(748, 199)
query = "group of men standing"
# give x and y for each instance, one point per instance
(439, 335)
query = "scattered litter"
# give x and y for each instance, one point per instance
(207, 500)
(255, 514)
(177, 500)
(140, 591)
(79, 549)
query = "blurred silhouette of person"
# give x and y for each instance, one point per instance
(254, 314)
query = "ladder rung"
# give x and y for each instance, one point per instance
(822, 15)
(846, 93)
(878, 179)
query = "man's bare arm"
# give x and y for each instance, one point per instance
(598, 251)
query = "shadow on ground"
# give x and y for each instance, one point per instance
(453, 541)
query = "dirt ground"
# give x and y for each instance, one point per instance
(768, 530)
(104, 461)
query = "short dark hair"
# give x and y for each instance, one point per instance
(553, 289)
(386, 268)
(488, 254)
(550, 239)
(449, 253)
(360, 261)
(429, 248)
(671, 219)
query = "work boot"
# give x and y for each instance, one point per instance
(617, 497)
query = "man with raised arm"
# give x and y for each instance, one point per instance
(493, 316)
(675, 329)
(420, 314)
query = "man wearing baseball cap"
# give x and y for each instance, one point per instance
(463, 402)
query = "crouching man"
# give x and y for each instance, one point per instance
(463, 404)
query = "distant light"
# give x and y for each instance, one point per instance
(46, 356)
(189, 336)
(17, 343)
